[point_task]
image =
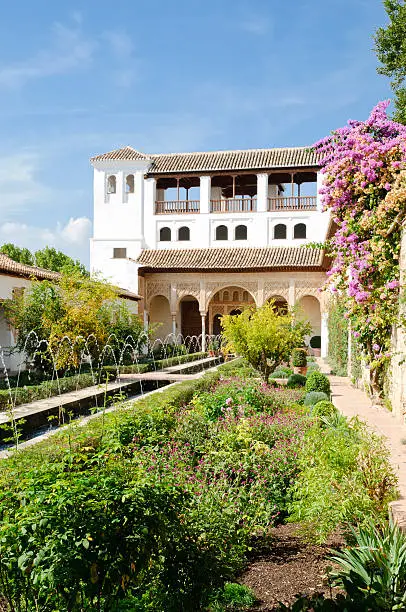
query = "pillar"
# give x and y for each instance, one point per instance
(150, 196)
(146, 320)
(292, 293)
(205, 193)
(174, 327)
(203, 315)
(262, 192)
(324, 334)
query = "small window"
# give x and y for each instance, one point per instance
(129, 183)
(245, 296)
(226, 296)
(119, 253)
(279, 232)
(111, 184)
(236, 297)
(184, 233)
(299, 231)
(221, 232)
(241, 232)
(165, 234)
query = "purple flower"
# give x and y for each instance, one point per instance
(376, 348)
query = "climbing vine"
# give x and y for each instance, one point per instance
(365, 189)
(338, 338)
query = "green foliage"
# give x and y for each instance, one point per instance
(373, 570)
(314, 397)
(345, 478)
(324, 409)
(338, 338)
(391, 52)
(264, 337)
(299, 358)
(316, 381)
(282, 372)
(51, 259)
(233, 596)
(296, 380)
(21, 255)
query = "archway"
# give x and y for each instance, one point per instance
(231, 299)
(280, 305)
(217, 325)
(160, 313)
(310, 311)
(190, 317)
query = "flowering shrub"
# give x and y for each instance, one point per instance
(365, 189)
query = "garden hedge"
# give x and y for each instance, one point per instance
(160, 364)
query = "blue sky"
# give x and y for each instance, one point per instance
(80, 78)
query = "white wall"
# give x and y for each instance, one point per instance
(12, 361)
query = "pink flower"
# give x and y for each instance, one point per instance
(392, 284)
(376, 348)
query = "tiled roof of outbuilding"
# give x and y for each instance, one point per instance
(9, 266)
(241, 259)
(211, 161)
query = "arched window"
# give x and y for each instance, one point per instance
(236, 297)
(299, 231)
(221, 232)
(165, 234)
(111, 184)
(226, 296)
(129, 183)
(279, 232)
(241, 232)
(184, 233)
(245, 296)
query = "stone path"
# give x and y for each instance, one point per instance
(353, 402)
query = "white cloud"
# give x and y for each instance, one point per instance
(120, 43)
(19, 182)
(257, 25)
(68, 50)
(72, 237)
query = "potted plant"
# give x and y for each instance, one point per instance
(213, 347)
(299, 361)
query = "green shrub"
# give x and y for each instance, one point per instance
(314, 397)
(282, 372)
(324, 408)
(312, 367)
(233, 596)
(295, 381)
(316, 381)
(299, 358)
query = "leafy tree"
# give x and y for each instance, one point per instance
(73, 318)
(390, 46)
(21, 255)
(51, 259)
(264, 337)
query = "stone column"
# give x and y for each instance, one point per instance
(203, 315)
(146, 320)
(205, 192)
(324, 334)
(174, 327)
(262, 192)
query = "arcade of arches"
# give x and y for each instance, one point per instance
(192, 304)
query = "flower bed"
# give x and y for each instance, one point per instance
(154, 506)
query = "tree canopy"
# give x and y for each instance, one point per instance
(48, 258)
(265, 337)
(390, 46)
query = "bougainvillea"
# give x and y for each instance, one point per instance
(365, 188)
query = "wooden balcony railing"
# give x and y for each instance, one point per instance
(233, 205)
(292, 203)
(177, 207)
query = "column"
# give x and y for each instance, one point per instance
(203, 315)
(146, 321)
(205, 192)
(324, 334)
(292, 184)
(262, 192)
(292, 293)
(174, 327)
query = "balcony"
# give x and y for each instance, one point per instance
(177, 207)
(233, 205)
(281, 204)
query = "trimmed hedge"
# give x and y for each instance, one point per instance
(324, 408)
(314, 397)
(157, 365)
(299, 358)
(295, 381)
(316, 381)
(24, 395)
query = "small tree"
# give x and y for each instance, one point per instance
(51, 259)
(264, 337)
(21, 255)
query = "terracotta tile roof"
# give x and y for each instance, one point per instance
(250, 159)
(127, 153)
(9, 266)
(214, 259)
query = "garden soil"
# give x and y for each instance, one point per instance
(287, 567)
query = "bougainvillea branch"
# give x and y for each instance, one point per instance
(365, 188)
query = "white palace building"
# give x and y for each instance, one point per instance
(199, 235)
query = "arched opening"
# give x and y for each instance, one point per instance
(160, 313)
(280, 305)
(279, 232)
(221, 232)
(299, 231)
(191, 320)
(129, 183)
(165, 234)
(235, 311)
(309, 308)
(217, 325)
(240, 232)
(226, 296)
(236, 296)
(111, 184)
(184, 233)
